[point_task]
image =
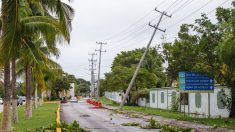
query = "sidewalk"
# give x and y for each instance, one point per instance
(174, 122)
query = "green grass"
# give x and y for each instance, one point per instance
(108, 102)
(219, 122)
(42, 116)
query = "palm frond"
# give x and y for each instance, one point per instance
(10, 37)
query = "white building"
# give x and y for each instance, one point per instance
(195, 103)
(72, 90)
(144, 102)
(115, 96)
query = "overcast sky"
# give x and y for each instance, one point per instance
(123, 24)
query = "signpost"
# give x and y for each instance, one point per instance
(193, 82)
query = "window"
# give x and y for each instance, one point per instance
(153, 97)
(184, 98)
(198, 100)
(221, 99)
(162, 97)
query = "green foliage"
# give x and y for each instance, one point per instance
(131, 124)
(150, 75)
(60, 84)
(153, 124)
(73, 127)
(82, 87)
(205, 47)
(143, 93)
(169, 128)
(174, 102)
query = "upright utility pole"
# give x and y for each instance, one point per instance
(143, 56)
(100, 52)
(92, 65)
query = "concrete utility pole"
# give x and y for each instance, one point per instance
(92, 65)
(143, 56)
(98, 83)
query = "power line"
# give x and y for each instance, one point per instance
(156, 27)
(135, 23)
(134, 36)
(126, 36)
(219, 5)
(189, 14)
(206, 14)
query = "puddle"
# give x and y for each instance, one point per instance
(84, 115)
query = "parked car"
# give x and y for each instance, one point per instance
(63, 100)
(23, 98)
(19, 101)
(73, 100)
(1, 101)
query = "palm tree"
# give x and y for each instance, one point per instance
(17, 31)
(9, 25)
(12, 39)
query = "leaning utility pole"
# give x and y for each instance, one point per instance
(92, 61)
(98, 83)
(143, 56)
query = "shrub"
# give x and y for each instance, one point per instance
(169, 128)
(153, 124)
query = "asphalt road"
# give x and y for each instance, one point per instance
(99, 120)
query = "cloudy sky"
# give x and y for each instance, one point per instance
(123, 24)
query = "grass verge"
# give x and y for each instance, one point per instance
(42, 116)
(216, 122)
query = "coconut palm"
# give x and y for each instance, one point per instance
(33, 61)
(16, 32)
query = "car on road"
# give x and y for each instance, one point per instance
(1, 101)
(73, 100)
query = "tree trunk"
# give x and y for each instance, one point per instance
(40, 99)
(6, 117)
(28, 106)
(36, 97)
(14, 94)
(232, 110)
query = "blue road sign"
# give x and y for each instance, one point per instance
(192, 81)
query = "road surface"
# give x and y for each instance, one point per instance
(99, 120)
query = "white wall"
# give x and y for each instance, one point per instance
(115, 96)
(166, 104)
(142, 102)
(203, 110)
(72, 90)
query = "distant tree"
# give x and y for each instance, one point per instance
(60, 84)
(181, 55)
(82, 87)
(150, 75)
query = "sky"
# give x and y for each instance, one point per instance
(123, 25)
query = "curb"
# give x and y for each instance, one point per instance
(58, 129)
